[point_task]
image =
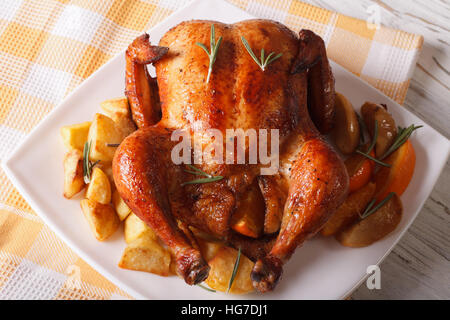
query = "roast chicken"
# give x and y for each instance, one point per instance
(294, 94)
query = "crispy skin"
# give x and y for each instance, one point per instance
(312, 58)
(141, 89)
(239, 95)
(141, 168)
(274, 198)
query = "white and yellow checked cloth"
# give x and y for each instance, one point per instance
(48, 47)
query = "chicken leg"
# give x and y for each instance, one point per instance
(317, 177)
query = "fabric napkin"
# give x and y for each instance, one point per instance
(48, 47)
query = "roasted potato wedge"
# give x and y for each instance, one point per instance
(103, 131)
(350, 210)
(346, 131)
(116, 108)
(146, 254)
(107, 169)
(119, 110)
(102, 218)
(74, 136)
(135, 228)
(99, 189)
(73, 173)
(373, 228)
(222, 268)
(126, 125)
(209, 249)
(122, 209)
(387, 129)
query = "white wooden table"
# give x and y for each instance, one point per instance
(418, 267)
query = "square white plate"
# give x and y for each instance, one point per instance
(322, 269)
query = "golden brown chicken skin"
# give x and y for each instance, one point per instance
(311, 181)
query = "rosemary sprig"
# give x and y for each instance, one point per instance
(206, 288)
(235, 269)
(372, 145)
(369, 210)
(198, 172)
(263, 62)
(402, 136)
(214, 47)
(87, 164)
(368, 156)
(375, 137)
(362, 127)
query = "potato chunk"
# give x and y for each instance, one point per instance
(135, 228)
(102, 218)
(99, 188)
(146, 254)
(73, 173)
(374, 227)
(119, 110)
(116, 108)
(209, 249)
(222, 268)
(74, 136)
(121, 207)
(103, 131)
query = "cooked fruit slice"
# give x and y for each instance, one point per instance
(222, 266)
(99, 188)
(73, 173)
(374, 227)
(102, 218)
(359, 170)
(74, 136)
(349, 211)
(387, 129)
(398, 176)
(249, 216)
(346, 132)
(146, 254)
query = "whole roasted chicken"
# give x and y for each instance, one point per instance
(294, 93)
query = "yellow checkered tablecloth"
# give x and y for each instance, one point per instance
(48, 47)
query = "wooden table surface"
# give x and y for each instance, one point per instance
(418, 267)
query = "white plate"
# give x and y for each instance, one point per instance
(322, 269)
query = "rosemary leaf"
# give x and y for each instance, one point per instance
(264, 61)
(204, 180)
(201, 45)
(368, 156)
(403, 135)
(198, 171)
(274, 58)
(212, 53)
(369, 211)
(206, 288)
(86, 162)
(235, 269)
(92, 165)
(362, 127)
(368, 208)
(375, 137)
